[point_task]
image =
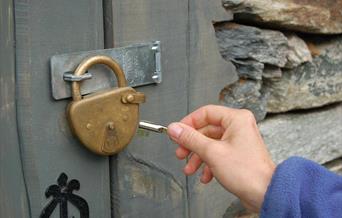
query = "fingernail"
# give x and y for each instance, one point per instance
(175, 130)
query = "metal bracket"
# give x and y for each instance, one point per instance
(71, 77)
(157, 76)
(141, 64)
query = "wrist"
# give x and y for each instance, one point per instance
(258, 188)
(265, 180)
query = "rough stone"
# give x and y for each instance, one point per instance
(309, 16)
(298, 52)
(335, 166)
(237, 210)
(315, 135)
(295, 74)
(272, 73)
(247, 43)
(249, 69)
(245, 94)
(256, 54)
(312, 84)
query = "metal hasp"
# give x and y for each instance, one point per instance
(140, 62)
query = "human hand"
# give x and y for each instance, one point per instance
(228, 143)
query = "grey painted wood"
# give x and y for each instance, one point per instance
(194, 74)
(147, 178)
(13, 198)
(43, 29)
(209, 74)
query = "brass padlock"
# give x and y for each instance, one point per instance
(105, 122)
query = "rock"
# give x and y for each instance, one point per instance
(272, 73)
(247, 43)
(335, 166)
(249, 69)
(315, 135)
(310, 16)
(312, 84)
(291, 77)
(257, 54)
(298, 52)
(237, 210)
(246, 94)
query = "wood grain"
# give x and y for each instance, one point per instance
(147, 178)
(13, 197)
(43, 29)
(209, 73)
(193, 75)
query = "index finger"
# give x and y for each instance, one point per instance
(210, 115)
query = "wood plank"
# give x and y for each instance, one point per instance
(45, 28)
(147, 178)
(13, 198)
(209, 74)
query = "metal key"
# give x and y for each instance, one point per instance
(147, 125)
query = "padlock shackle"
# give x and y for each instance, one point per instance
(88, 63)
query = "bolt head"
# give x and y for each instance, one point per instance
(130, 98)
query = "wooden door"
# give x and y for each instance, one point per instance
(37, 129)
(146, 179)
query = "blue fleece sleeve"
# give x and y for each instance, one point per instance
(302, 188)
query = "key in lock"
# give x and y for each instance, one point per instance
(148, 125)
(105, 122)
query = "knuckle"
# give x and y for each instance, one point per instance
(212, 106)
(248, 116)
(207, 107)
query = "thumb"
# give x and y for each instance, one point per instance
(189, 137)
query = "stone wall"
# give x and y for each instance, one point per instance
(288, 56)
(278, 71)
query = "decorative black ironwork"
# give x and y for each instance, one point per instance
(62, 194)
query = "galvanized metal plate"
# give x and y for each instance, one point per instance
(140, 63)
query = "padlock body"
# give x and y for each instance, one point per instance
(102, 122)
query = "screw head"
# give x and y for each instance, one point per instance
(155, 78)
